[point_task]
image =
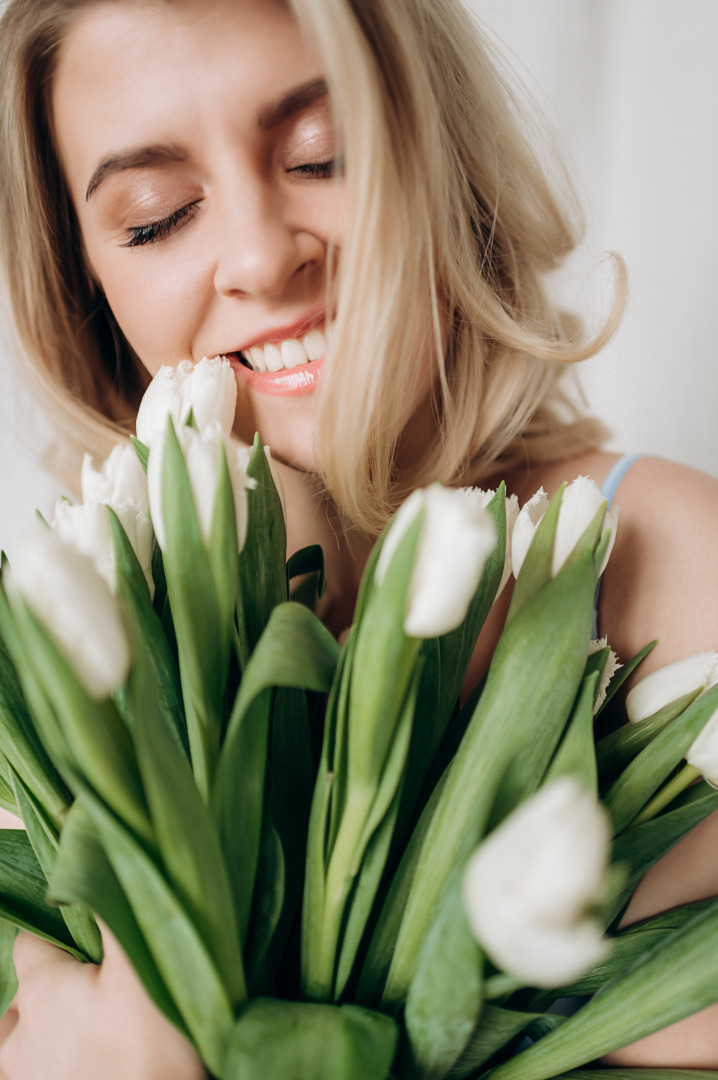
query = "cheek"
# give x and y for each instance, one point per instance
(158, 308)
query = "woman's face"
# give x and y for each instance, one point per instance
(197, 143)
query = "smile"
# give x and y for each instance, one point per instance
(282, 368)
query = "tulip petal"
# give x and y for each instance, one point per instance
(671, 682)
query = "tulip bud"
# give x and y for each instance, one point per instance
(512, 511)
(201, 450)
(87, 528)
(529, 886)
(703, 754)
(580, 503)
(667, 684)
(71, 600)
(119, 481)
(612, 666)
(208, 388)
(457, 537)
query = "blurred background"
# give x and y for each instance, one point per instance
(630, 87)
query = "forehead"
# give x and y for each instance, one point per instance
(156, 70)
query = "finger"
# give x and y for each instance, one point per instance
(31, 954)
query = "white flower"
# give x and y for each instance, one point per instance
(579, 505)
(120, 480)
(703, 754)
(456, 539)
(208, 388)
(201, 450)
(529, 885)
(87, 527)
(667, 684)
(512, 510)
(72, 601)
(120, 483)
(612, 666)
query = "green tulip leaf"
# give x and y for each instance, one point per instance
(98, 744)
(623, 673)
(8, 977)
(536, 571)
(674, 980)
(141, 450)
(627, 948)
(203, 639)
(176, 946)
(21, 745)
(223, 551)
(644, 775)
(615, 751)
(153, 667)
(640, 848)
(84, 877)
(267, 910)
(302, 1041)
(295, 651)
(444, 999)
(308, 560)
(576, 755)
(535, 674)
(262, 562)
(495, 1028)
(23, 888)
(189, 847)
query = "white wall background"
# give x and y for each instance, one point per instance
(632, 87)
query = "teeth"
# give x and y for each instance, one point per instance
(273, 358)
(288, 354)
(256, 358)
(315, 345)
(293, 353)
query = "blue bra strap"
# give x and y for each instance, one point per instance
(616, 474)
(608, 490)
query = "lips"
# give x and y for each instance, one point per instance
(286, 354)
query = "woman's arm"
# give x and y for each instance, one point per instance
(662, 581)
(73, 1021)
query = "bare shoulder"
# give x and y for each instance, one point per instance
(662, 579)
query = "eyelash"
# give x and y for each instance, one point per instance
(157, 230)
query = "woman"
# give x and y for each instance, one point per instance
(178, 182)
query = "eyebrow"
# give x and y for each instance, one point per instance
(145, 157)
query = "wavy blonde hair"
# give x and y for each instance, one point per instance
(452, 225)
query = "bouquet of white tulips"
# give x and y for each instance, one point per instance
(319, 861)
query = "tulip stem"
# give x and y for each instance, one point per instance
(667, 794)
(501, 986)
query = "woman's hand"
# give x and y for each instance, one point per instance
(73, 1021)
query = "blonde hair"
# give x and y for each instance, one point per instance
(452, 225)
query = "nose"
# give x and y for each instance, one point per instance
(260, 252)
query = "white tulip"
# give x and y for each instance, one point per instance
(71, 600)
(87, 527)
(667, 684)
(201, 450)
(529, 886)
(703, 754)
(512, 510)
(579, 505)
(456, 539)
(612, 666)
(208, 388)
(120, 480)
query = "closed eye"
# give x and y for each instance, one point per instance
(158, 230)
(321, 170)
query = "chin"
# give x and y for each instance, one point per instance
(292, 444)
